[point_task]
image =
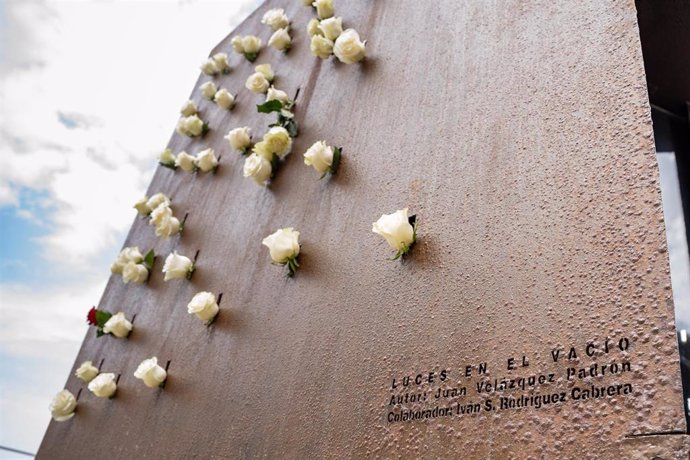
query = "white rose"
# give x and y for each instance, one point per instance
(277, 95)
(135, 273)
(396, 229)
(257, 168)
(118, 325)
(257, 83)
(348, 48)
(266, 70)
(206, 160)
(209, 67)
(204, 306)
(166, 158)
(236, 43)
(190, 126)
(126, 256)
(279, 141)
(185, 162)
(177, 267)
(208, 90)
(62, 406)
(151, 373)
(276, 19)
(161, 212)
(240, 138)
(263, 149)
(320, 156)
(224, 99)
(331, 27)
(313, 27)
(283, 245)
(104, 385)
(189, 108)
(321, 47)
(324, 8)
(221, 60)
(251, 44)
(170, 226)
(141, 207)
(86, 372)
(280, 40)
(157, 199)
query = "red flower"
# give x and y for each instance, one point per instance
(91, 317)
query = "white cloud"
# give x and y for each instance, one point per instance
(91, 92)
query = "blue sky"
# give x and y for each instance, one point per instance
(74, 157)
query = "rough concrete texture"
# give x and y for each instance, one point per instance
(519, 132)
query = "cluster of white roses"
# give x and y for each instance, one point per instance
(104, 385)
(132, 265)
(216, 64)
(248, 46)
(266, 154)
(278, 21)
(222, 97)
(328, 37)
(204, 161)
(158, 209)
(261, 79)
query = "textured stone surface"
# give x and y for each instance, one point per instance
(519, 133)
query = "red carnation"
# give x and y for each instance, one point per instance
(91, 317)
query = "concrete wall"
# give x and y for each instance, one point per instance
(519, 132)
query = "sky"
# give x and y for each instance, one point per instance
(90, 93)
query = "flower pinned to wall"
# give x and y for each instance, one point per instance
(276, 19)
(206, 161)
(331, 28)
(313, 28)
(107, 323)
(177, 267)
(185, 162)
(249, 46)
(324, 8)
(279, 102)
(104, 385)
(156, 200)
(204, 306)
(192, 126)
(348, 48)
(208, 90)
(240, 139)
(132, 265)
(224, 99)
(321, 47)
(281, 40)
(257, 168)
(62, 406)
(399, 230)
(283, 246)
(167, 159)
(261, 79)
(86, 372)
(216, 64)
(189, 108)
(151, 373)
(323, 158)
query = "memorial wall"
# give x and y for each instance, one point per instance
(531, 318)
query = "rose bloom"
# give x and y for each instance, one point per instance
(321, 47)
(103, 386)
(282, 245)
(320, 156)
(204, 306)
(257, 83)
(151, 373)
(396, 229)
(240, 138)
(257, 168)
(62, 406)
(177, 267)
(348, 48)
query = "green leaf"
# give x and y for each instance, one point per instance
(251, 57)
(337, 153)
(168, 165)
(102, 317)
(204, 129)
(291, 127)
(99, 332)
(269, 106)
(149, 258)
(275, 163)
(191, 271)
